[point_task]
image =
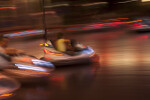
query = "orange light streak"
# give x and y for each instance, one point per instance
(52, 53)
(6, 95)
(7, 7)
(37, 72)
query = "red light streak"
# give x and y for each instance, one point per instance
(57, 78)
(48, 58)
(143, 37)
(7, 7)
(52, 53)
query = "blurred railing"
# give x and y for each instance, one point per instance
(16, 15)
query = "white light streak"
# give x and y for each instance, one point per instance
(145, 0)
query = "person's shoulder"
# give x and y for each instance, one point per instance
(62, 39)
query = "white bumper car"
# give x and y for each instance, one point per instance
(83, 56)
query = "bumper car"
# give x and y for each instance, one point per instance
(7, 86)
(141, 29)
(19, 56)
(140, 25)
(27, 73)
(26, 68)
(85, 54)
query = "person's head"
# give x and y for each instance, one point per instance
(60, 35)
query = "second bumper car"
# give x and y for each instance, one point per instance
(26, 68)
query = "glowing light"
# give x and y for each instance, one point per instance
(88, 51)
(113, 24)
(59, 5)
(143, 37)
(42, 44)
(135, 24)
(36, 62)
(127, 1)
(7, 7)
(145, 0)
(6, 95)
(30, 67)
(42, 63)
(29, 32)
(48, 58)
(92, 55)
(52, 53)
(45, 73)
(40, 13)
(95, 3)
(92, 26)
(134, 21)
(46, 44)
(144, 25)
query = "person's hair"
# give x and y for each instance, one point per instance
(60, 35)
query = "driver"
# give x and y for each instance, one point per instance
(61, 43)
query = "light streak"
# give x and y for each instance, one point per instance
(6, 95)
(7, 8)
